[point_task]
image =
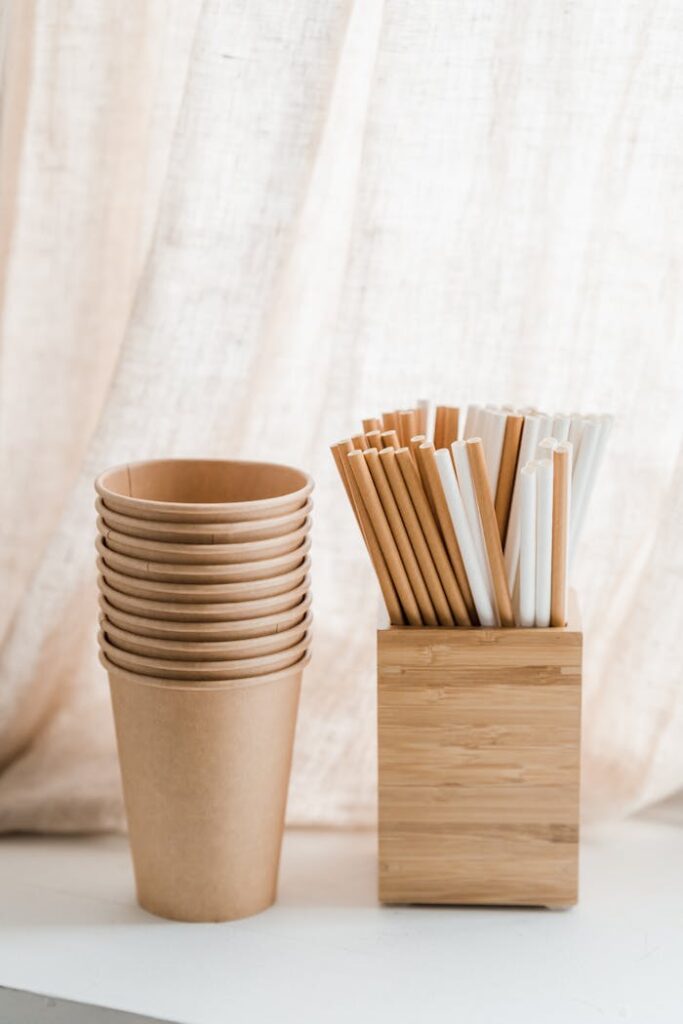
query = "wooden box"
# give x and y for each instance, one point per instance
(479, 751)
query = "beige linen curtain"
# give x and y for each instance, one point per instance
(234, 227)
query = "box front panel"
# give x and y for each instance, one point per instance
(479, 747)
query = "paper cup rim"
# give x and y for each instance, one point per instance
(279, 564)
(191, 551)
(204, 668)
(171, 625)
(205, 684)
(206, 607)
(302, 627)
(202, 529)
(299, 570)
(202, 509)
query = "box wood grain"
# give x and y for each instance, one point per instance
(479, 754)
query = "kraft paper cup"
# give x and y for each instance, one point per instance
(205, 650)
(227, 615)
(204, 593)
(205, 773)
(203, 490)
(167, 572)
(167, 668)
(267, 625)
(201, 554)
(205, 533)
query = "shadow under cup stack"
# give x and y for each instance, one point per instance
(204, 632)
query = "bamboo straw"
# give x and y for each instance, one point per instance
(359, 442)
(390, 439)
(433, 537)
(390, 421)
(401, 537)
(417, 538)
(560, 549)
(373, 506)
(371, 423)
(340, 452)
(374, 439)
(415, 443)
(451, 426)
(391, 600)
(440, 426)
(527, 449)
(508, 470)
(407, 426)
(426, 464)
(339, 455)
(439, 418)
(489, 526)
(446, 425)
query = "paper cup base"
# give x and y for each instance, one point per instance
(205, 774)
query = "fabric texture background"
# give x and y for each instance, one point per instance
(234, 228)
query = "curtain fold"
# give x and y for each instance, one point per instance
(234, 228)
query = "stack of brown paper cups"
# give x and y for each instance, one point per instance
(204, 632)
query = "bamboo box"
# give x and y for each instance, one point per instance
(479, 753)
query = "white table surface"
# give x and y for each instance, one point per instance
(327, 952)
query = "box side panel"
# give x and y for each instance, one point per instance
(479, 751)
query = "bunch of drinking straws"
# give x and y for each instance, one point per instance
(474, 520)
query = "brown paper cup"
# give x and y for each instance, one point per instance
(267, 625)
(205, 774)
(205, 650)
(204, 593)
(203, 490)
(165, 572)
(227, 615)
(201, 554)
(205, 533)
(189, 671)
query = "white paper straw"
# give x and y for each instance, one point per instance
(606, 424)
(583, 478)
(561, 427)
(545, 448)
(484, 420)
(526, 611)
(462, 468)
(494, 451)
(471, 428)
(546, 427)
(527, 449)
(476, 572)
(544, 540)
(425, 405)
(574, 436)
